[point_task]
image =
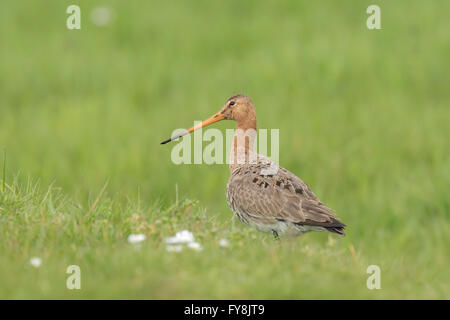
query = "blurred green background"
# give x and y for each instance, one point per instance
(363, 118)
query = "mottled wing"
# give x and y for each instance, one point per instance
(282, 196)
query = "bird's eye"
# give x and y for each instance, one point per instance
(232, 103)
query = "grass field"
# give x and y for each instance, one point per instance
(363, 118)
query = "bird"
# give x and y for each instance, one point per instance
(261, 193)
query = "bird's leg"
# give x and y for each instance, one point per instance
(275, 234)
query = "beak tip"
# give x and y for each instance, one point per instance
(172, 139)
(214, 118)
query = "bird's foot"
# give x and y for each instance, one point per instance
(275, 234)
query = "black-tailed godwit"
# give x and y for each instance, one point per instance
(260, 193)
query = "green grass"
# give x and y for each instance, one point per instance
(49, 225)
(363, 118)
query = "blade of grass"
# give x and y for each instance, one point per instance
(4, 172)
(96, 201)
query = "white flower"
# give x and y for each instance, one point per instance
(174, 248)
(195, 246)
(101, 16)
(136, 238)
(181, 237)
(224, 243)
(176, 242)
(36, 262)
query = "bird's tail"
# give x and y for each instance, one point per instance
(339, 229)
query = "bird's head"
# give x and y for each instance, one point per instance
(238, 107)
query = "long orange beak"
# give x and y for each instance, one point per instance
(215, 118)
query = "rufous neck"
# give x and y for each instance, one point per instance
(243, 147)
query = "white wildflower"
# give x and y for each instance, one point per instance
(180, 237)
(224, 243)
(176, 242)
(101, 16)
(194, 246)
(36, 262)
(136, 238)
